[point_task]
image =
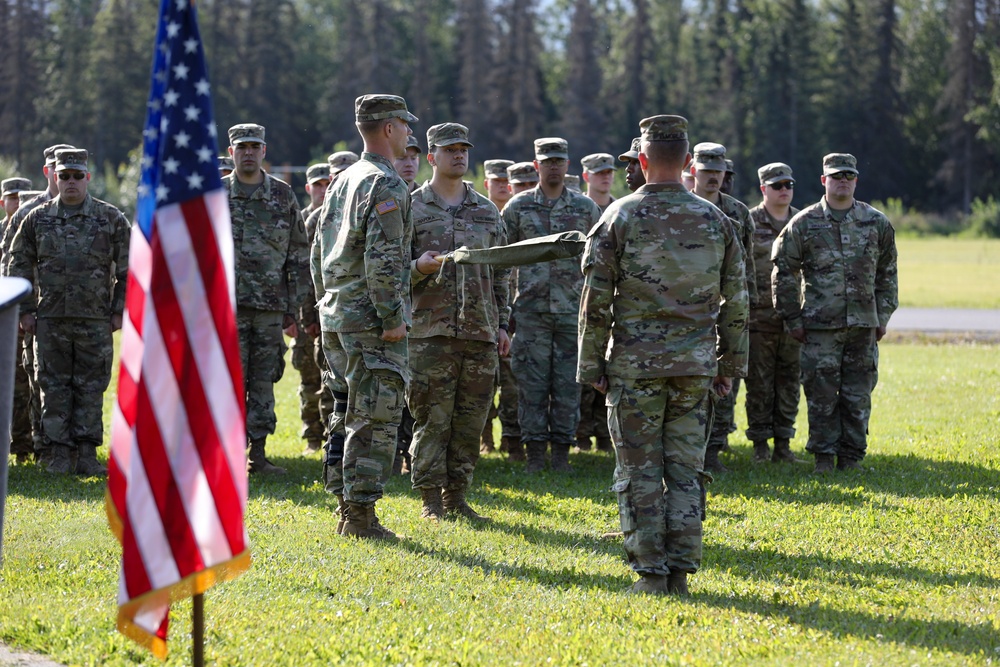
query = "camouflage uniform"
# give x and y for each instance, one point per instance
(772, 398)
(543, 353)
(453, 342)
(77, 259)
(664, 284)
(847, 264)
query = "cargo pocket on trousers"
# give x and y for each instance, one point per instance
(381, 400)
(626, 508)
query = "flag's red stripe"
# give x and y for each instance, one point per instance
(135, 299)
(127, 393)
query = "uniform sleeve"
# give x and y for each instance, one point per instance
(23, 256)
(786, 276)
(509, 218)
(385, 255)
(600, 275)
(297, 260)
(733, 338)
(886, 278)
(501, 278)
(749, 227)
(307, 311)
(120, 248)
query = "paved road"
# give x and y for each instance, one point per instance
(946, 320)
(12, 658)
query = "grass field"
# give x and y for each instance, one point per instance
(945, 272)
(899, 565)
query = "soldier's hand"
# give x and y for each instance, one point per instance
(426, 264)
(503, 343)
(116, 322)
(28, 323)
(879, 332)
(601, 385)
(722, 385)
(394, 335)
(289, 327)
(313, 330)
(798, 334)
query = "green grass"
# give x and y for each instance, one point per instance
(896, 566)
(948, 272)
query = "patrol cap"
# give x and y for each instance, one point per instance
(774, 172)
(412, 142)
(664, 128)
(572, 181)
(341, 160)
(551, 147)
(318, 172)
(50, 153)
(28, 195)
(730, 168)
(71, 158)
(710, 156)
(834, 163)
(497, 168)
(226, 162)
(522, 172)
(249, 133)
(596, 162)
(12, 186)
(380, 107)
(447, 134)
(633, 151)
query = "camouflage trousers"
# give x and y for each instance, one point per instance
(839, 372)
(20, 422)
(333, 365)
(659, 427)
(507, 405)
(772, 398)
(262, 351)
(376, 375)
(544, 360)
(310, 386)
(73, 359)
(724, 421)
(450, 392)
(593, 414)
(28, 362)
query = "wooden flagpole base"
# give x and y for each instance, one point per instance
(198, 630)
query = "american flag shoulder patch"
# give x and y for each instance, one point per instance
(388, 206)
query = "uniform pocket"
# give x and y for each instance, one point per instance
(626, 507)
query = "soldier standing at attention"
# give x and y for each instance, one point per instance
(520, 177)
(361, 266)
(844, 252)
(634, 177)
(545, 306)
(772, 398)
(459, 327)
(665, 286)
(270, 249)
(709, 169)
(74, 250)
(408, 165)
(599, 174)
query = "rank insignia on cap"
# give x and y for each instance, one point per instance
(388, 206)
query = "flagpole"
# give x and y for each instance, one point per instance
(198, 630)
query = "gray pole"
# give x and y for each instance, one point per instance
(12, 290)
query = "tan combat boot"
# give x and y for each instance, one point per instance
(486, 443)
(583, 443)
(783, 453)
(536, 456)
(87, 463)
(677, 584)
(433, 508)
(513, 447)
(258, 463)
(761, 452)
(455, 504)
(362, 523)
(312, 447)
(60, 460)
(712, 462)
(651, 584)
(560, 458)
(341, 513)
(824, 464)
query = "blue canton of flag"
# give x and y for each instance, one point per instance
(179, 140)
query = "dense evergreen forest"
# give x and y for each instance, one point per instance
(912, 87)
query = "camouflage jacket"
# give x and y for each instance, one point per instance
(548, 287)
(270, 248)
(467, 301)
(763, 317)
(13, 224)
(77, 260)
(740, 215)
(307, 313)
(664, 284)
(361, 253)
(848, 269)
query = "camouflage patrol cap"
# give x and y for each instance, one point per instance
(75, 158)
(447, 134)
(249, 133)
(226, 162)
(596, 162)
(341, 160)
(572, 181)
(834, 163)
(633, 151)
(774, 172)
(318, 172)
(730, 167)
(522, 172)
(664, 127)
(50, 153)
(28, 195)
(551, 147)
(11, 186)
(497, 168)
(709, 156)
(412, 142)
(380, 107)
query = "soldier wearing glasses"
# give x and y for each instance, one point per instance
(843, 252)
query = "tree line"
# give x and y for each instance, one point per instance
(911, 87)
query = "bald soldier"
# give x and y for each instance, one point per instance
(662, 324)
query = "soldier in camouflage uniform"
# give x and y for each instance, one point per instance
(361, 266)
(225, 165)
(20, 425)
(520, 177)
(772, 398)
(634, 177)
(572, 182)
(270, 251)
(844, 253)
(459, 327)
(545, 306)
(729, 180)
(408, 165)
(709, 169)
(664, 284)
(74, 249)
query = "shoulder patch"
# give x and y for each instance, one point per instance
(388, 206)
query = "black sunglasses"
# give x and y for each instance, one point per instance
(75, 177)
(783, 185)
(841, 175)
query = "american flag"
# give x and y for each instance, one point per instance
(177, 484)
